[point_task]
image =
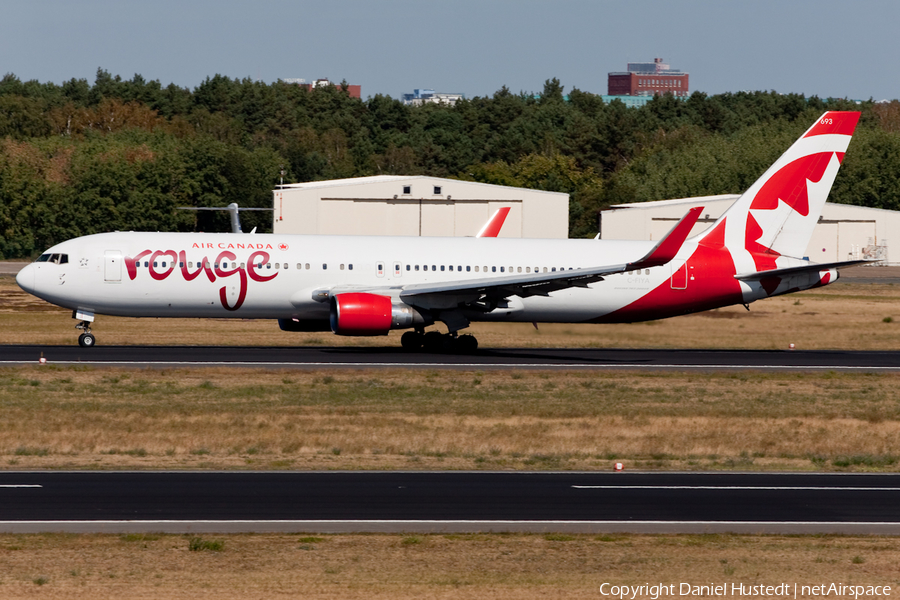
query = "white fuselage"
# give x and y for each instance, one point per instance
(102, 276)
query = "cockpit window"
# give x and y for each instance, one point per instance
(57, 259)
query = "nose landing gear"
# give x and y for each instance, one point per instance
(86, 339)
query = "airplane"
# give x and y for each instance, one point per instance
(369, 285)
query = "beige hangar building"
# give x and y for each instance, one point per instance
(844, 231)
(416, 206)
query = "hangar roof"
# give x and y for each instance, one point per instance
(389, 178)
(695, 200)
(723, 198)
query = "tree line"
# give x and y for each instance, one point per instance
(82, 158)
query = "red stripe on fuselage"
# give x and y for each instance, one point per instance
(710, 284)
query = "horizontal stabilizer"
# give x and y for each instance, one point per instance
(811, 267)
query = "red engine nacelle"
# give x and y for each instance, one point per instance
(361, 314)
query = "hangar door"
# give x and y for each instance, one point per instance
(836, 240)
(461, 218)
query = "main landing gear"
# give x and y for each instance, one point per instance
(435, 341)
(86, 339)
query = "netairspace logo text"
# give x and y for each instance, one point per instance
(783, 590)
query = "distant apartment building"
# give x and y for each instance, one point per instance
(648, 79)
(354, 91)
(420, 97)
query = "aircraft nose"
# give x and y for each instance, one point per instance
(25, 278)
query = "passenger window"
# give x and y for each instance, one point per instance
(342, 267)
(155, 264)
(434, 267)
(519, 270)
(502, 269)
(146, 264)
(350, 266)
(468, 268)
(268, 265)
(324, 266)
(408, 267)
(277, 265)
(485, 268)
(494, 269)
(417, 267)
(553, 269)
(545, 269)
(459, 267)
(407, 189)
(243, 265)
(307, 266)
(442, 267)
(528, 269)
(646, 271)
(437, 190)
(299, 265)
(476, 268)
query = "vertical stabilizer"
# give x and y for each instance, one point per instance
(776, 216)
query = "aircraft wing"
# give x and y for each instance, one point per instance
(541, 284)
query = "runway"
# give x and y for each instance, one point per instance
(491, 358)
(180, 502)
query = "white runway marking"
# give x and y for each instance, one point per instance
(20, 486)
(449, 526)
(736, 487)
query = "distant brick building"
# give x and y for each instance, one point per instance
(648, 79)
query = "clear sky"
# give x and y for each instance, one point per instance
(840, 48)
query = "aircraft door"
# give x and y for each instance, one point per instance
(679, 279)
(112, 266)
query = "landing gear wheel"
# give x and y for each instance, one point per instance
(411, 340)
(433, 341)
(86, 340)
(466, 344)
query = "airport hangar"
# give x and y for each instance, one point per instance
(844, 231)
(416, 206)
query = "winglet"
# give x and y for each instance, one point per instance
(492, 227)
(671, 243)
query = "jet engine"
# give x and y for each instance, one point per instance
(357, 313)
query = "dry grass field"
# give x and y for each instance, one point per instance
(223, 418)
(270, 419)
(842, 315)
(484, 566)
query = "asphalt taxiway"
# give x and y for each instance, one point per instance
(319, 357)
(587, 502)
